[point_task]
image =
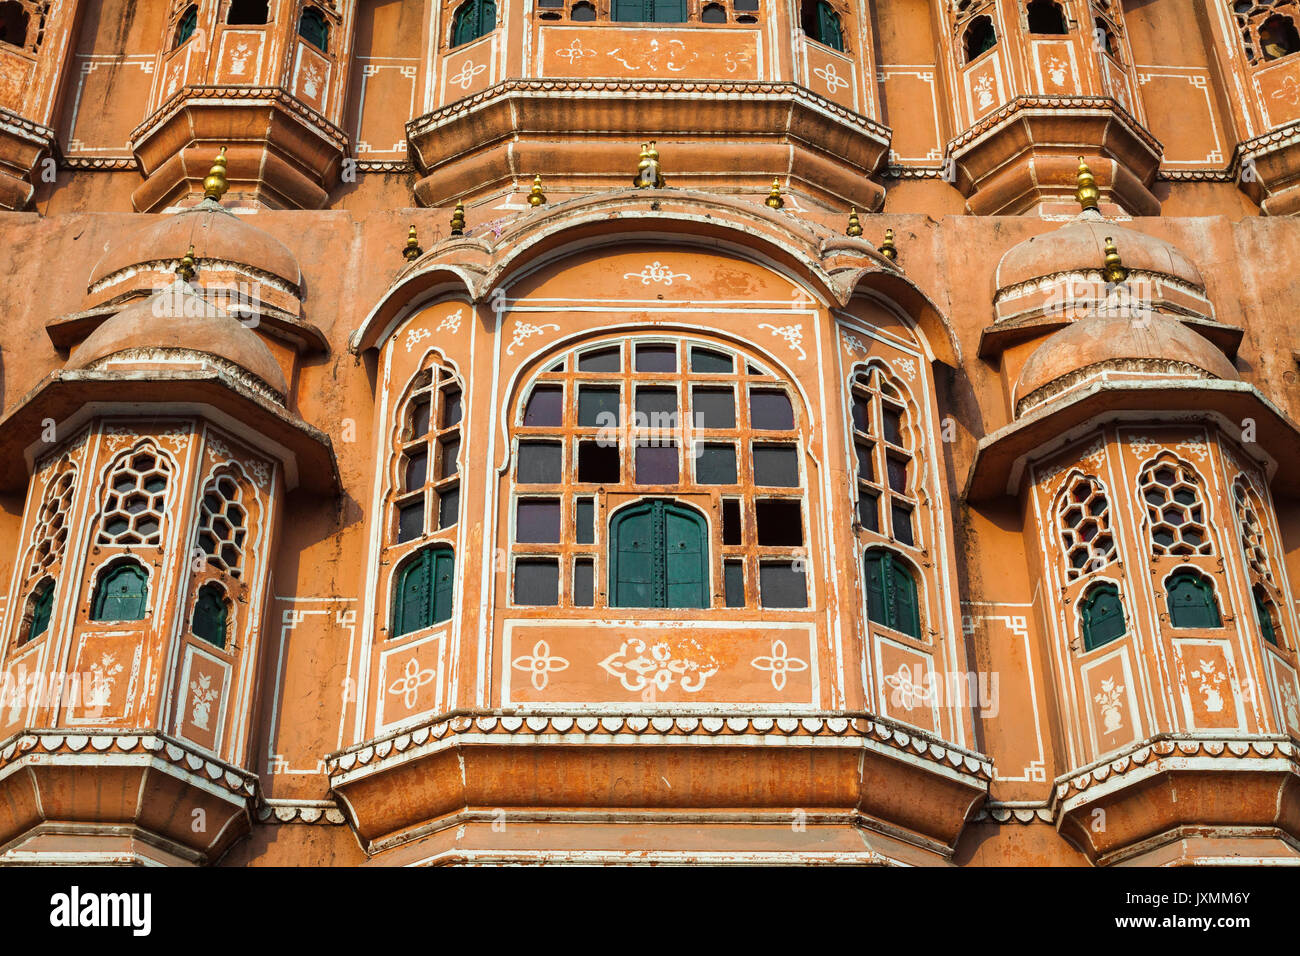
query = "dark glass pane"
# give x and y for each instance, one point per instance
(657, 465)
(710, 362)
(716, 464)
(656, 358)
(897, 468)
(861, 414)
(157, 483)
(545, 406)
(539, 463)
(892, 421)
(780, 522)
(749, 5)
(713, 408)
(450, 452)
(420, 411)
(537, 581)
(776, 466)
(417, 470)
(713, 13)
(584, 583)
(901, 517)
(448, 507)
(537, 520)
(770, 409)
(601, 360)
(866, 461)
(598, 463)
(451, 410)
(1263, 614)
(582, 12)
(731, 521)
(585, 521)
(656, 407)
(733, 583)
(598, 407)
(782, 585)
(410, 520)
(869, 509)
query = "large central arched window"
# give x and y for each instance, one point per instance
(657, 472)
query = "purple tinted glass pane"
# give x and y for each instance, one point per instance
(545, 406)
(656, 358)
(537, 520)
(410, 520)
(770, 409)
(656, 465)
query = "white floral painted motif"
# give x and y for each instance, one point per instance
(525, 331)
(311, 81)
(984, 92)
(574, 52)
(1196, 448)
(1056, 70)
(1110, 700)
(907, 691)
(1290, 705)
(238, 58)
(779, 664)
(793, 335)
(103, 675)
(452, 322)
(540, 664)
(831, 77)
(656, 272)
(1142, 444)
(202, 694)
(1289, 91)
(636, 669)
(414, 336)
(853, 343)
(907, 367)
(468, 71)
(409, 684)
(1210, 679)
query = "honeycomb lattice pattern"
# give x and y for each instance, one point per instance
(1253, 542)
(223, 525)
(1266, 27)
(1084, 515)
(137, 492)
(51, 533)
(1175, 510)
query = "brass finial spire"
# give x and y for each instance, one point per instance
(458, 220)
(412, 250)
(535, 195)
(1086, 191)
(185, 268)
(774, 200)
(887, 248)
(855, 227)
(648, 171)
(215, 184)
(1113, 271)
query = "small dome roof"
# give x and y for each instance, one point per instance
(1080, 246)
(216, 234)
(1123, 339)
(178, 320)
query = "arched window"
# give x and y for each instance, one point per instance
(619, 442)
(891, 592)
(648, 11)
(223, 524)
(248, 12)
(13, 23)
(1278, 37)
(137, 496)
(1046, 17)
(1175, 511)
(428, 446)
(473, 19)
(313, 27)
(1266, 615)
(713, 13)
(122, 593)
(821, 23)
(423, 593)
(187, 24)
(884, 441)
(1191, 600)
(36, 614)
(551, 9)
(1268, 28)
(1083, 514)
(1101, 616)
(979, 38)
(1105, 38)
(582, 12)
(746, 10)
(211, 615)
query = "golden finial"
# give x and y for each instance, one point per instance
(215, 184)
(535, 195)
(412, 250)
(648, 171)
(185, 268)
(458, 220)
(1086, 191)
(774, 200)
(1113, 271)
(855, 227)
(887, 248)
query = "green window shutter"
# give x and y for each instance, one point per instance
(632, 11)
(188, 24)
(667, 11)
(828, 26)
(1102, 616)
(1261, 614)
(1191, 602)
(633, 569)
(473, 19)
(906, 614)
(685, 558)
(313, 28)
(121, 595)
(876, 607)
(414, 595)
(659, 557)
(210, 615)
(444, 579)
(42, 605)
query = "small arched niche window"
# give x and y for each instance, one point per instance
(821, 23)
(248, 12)
(122, 593)
(211, 619)
(427, 475)
(1175, 509)
(1046, 18)
(1101, 615)
(14, 23)
(473, 19)
(648, 11)
(746, 10)
(1266, 615)
(582, 12)
(891, 592)
(187, 24)
(135, 505)
(314, 28)
(422, 595)
(713, 13)
(1083, 514)
(884, 445)
(1104, 37)
(979, 37)
(1190, 600)
(37, 611)
(1278, 37)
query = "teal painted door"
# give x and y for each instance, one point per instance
(660, 557)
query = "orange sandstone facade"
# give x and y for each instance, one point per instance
(665, 431)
